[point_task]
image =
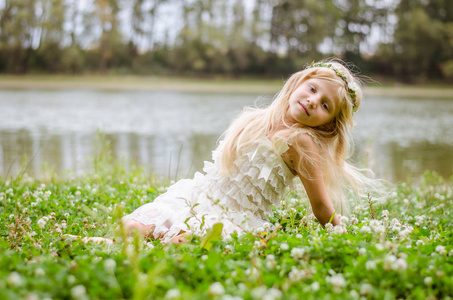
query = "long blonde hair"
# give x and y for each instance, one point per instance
(333, 140)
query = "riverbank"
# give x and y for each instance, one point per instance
(238, 86)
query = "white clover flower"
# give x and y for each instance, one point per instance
(315, 286)
(173, 294)
(370, 265)
(273, 294)
(338, 229)
(385, 213)
(299, 236)
(420, 243)
(14, 279)
(41, 223)
(267, 225)
(375, 223)
(389, 261)
(344, 220)
(284, 246)
(405, 233)
(78, 292)
(400, 264)
(296, 275)
(379, 247)
(258, 292)
(216, 289)
(365, 229)
(337, 281)
(366, 289)
(40, 272)
(329, 227)
(362, 251)
(110, 265)
(428, 281)
(441, 250)
(379, 229)
(297, 253)
(354, 221)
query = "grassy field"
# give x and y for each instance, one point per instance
(218, 85)
(397, 248)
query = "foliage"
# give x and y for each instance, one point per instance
(210, 37)
(399, 247)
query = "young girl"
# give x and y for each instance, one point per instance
(304, 133)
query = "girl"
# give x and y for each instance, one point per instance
(304, 133)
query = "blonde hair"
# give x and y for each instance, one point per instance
(333, 140)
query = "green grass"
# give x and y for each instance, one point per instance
(400, 248)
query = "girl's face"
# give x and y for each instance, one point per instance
(314, 102)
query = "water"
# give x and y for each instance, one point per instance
(172, 133)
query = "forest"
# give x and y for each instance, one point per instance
(411, 40)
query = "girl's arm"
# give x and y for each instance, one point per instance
(313, 183)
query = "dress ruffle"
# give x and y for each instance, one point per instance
(240, 200)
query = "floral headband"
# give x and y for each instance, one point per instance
(353, 87)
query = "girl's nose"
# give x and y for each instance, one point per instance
(312, 102)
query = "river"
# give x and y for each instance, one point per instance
(172, 133)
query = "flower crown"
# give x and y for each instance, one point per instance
(353, 87)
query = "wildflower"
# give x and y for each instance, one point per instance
(400, 264)
(366, 289)
(338, 229)
(315, 286)
(329, 227)
(296, 275)
(284, 246)
(379, 247)
(389, 261)
(385, 213)
(404, 233)
(365, 229)
(40, 272)
(110, 265)
(420, 243)
(370, 265)
(337, 281)
(258, 292)
(344, 220)
(428, 281)
(41, 223)
(297, 253)
(272, 294)
(379, 229)
(216, 289)
(267, 225)
(362, 251)
(173, 294)
(441, 250)
(354, 221)
(298, 236)
(79, 291)
(14, 279)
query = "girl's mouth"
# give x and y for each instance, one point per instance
(305, 109)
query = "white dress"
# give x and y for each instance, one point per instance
(241, 200)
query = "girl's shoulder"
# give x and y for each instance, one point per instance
(304, 140)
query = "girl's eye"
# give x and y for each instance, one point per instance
(325, 106)
(312, 89)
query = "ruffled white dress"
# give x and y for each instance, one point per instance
(241, 200)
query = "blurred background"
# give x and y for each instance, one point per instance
(163, 78)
